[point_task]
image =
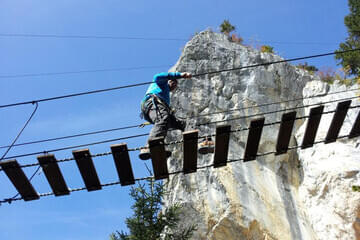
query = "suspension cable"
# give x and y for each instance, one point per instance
(177, 141)
(16, 138)
(146, 134)
(72, 136)
(77, 146)
(291, 148)
(191, 117)
(275, 62)
(276, 111)
(274, 103)
(196, 75)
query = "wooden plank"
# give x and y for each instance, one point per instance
(337, 121)
(158, 158)
(253, 140)
(53, 174)
(87, 169)
(190, 151)
(355, 130)
(18, 178)
(221, 145)
(123, 165)
(286, 126)
(312, 127)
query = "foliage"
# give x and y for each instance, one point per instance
(310, 68)
(356, 188)
(226, 27)
(235, 38)
(148, 220)
(119, 236)
(267, 49)
(351, 60)
(329, 75)
(357, 80)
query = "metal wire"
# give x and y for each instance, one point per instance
(7, 200)
(277, 111)
(23, 128)
(181, 141)
(72, 136)
(77, 146)
(195, 75)
(146, 134)
(191, 117)
(274, 103)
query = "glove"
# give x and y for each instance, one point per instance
(144, 124)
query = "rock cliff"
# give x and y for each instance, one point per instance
(303, 194)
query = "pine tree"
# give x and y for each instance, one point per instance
(148, 220)
(351, 60)
(226, 27)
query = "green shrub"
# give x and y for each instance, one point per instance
(226, 27)
(356, 188)
(267, 49)
(149, 220)
(310, 68)
(327, 75)
(235, 38)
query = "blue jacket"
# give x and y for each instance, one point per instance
(160, 87)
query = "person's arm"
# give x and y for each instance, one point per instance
(162, 78)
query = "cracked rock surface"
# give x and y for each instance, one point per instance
(303, 194)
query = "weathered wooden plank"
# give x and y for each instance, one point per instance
(253, 140)
(312, 126)
(190, 151)
(158, 158)
(286, 126)
(18, 178)
(337, 121)
(123, 165)
(53, 174)
(87, 169)
(355, 130)
(221, 145)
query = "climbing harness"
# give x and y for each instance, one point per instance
(154, 100)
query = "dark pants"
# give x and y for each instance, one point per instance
(161, 117)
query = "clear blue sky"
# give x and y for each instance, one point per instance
(293, 28)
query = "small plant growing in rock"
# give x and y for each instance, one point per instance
(267, 49)
(310, 68)
(357, 80)
(329, 75)
(226, 27)
(356, 188)
(235, 38)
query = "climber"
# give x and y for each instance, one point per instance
(155, 107)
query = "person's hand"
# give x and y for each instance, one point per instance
(186, 75)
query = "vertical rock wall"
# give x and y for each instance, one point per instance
(274, 197)
(330, 170)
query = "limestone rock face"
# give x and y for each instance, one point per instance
(330, 171)
(303, 194)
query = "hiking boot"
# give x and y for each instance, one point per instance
(145, 154)
(206, 146)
